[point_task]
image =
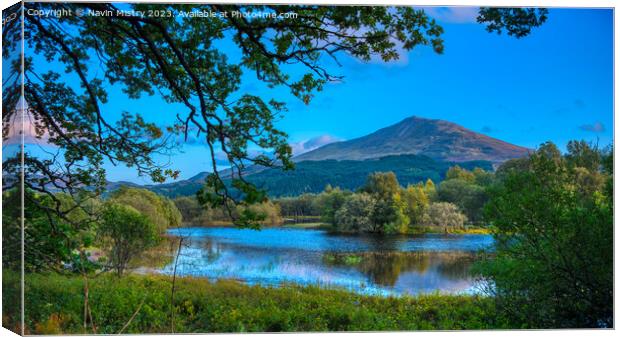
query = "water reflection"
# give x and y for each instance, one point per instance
(366, 264)
(384, 268)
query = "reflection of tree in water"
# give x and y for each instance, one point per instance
(158, 256)
(456, 267)
(211, 250)
(384, 268)
(381, 244)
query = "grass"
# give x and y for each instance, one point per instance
(441, 230)
(346, 259)
(309, 225)
(54, 304)
(472, 230)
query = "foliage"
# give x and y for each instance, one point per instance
(383, 185)
(417, 199)
(355, 214)
(160, 210)
(268, 212)
(125, 233)
(50, 240)
(196, 214)
(554, 263)
(228, 306)
(430, 190)
(456, 172)
(445, 214)
(330, 201)
(388, 213)
(313, 176)
(469, 196)
(383, 206)
(517, 22)
(192, 212)
(302, 206)
(389, 216)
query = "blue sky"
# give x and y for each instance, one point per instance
(556, 84)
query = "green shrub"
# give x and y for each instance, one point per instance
(229, 306)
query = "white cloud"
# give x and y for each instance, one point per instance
(463, 14)
(312, 144)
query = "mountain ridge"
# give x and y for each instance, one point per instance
(435, 138)
(400, 147)
(312, 176)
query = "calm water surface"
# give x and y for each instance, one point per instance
(384, 265)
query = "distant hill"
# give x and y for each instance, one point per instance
(438, 139)
(415, 149)
(313, 176)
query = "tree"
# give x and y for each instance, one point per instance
(355, 214)
(445, 214)
(389, 214)
(329, 201)
(383, 185)
(554, 262)
(585, 159)
(125, 234)
(456, 172)
(50, 241)
(467, 195)
(482, 177)
(160, 211)
(430, 190)
(300, 206)
(190, 209)
(510, 166)
(268, 212)
(417, 202)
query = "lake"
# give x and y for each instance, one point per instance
(367, 264)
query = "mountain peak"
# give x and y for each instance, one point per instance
(435, 138)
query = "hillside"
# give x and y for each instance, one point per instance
(313, 176)
(415, 149)
(438, 139)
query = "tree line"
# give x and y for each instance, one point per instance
(122, 226)
(382, 205)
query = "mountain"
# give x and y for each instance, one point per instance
(437, 139)
(415, 149)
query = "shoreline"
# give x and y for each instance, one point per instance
(475, 230)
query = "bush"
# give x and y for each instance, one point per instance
(554, 221)
(228, 306)
(125, 234)
(445, 214)
(355, 214)
(160, 210)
